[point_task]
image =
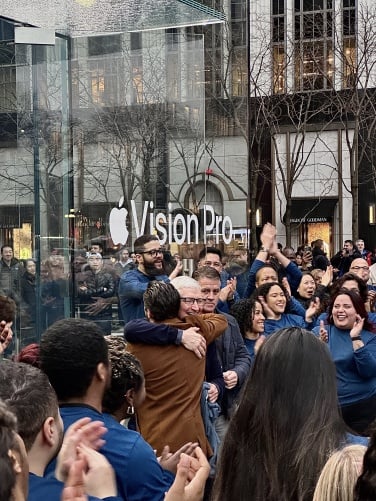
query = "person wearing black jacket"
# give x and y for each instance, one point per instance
(342, 260)
(319, 259)
(95, 283)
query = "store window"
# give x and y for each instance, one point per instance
(349, 42)
(278, 40)
(313, 52)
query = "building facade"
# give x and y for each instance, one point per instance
(313, 83)
(107, 132)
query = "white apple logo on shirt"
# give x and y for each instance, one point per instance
(118, 226)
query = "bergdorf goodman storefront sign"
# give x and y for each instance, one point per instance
(176, 228)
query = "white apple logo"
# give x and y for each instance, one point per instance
(118, 227)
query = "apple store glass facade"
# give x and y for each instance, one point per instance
(102, 139)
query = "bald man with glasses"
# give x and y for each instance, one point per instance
(359, 267)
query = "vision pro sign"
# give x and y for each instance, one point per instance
(178, 228)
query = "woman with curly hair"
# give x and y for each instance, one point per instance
(250, 317)
(127, 390)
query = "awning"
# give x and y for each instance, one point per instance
(312, 210)
(92, 17)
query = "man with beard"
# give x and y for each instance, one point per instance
(133, 283)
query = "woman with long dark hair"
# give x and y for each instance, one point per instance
(287, 423)
(351, 339)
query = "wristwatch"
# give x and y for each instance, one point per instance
(263, 249)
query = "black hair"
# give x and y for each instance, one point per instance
(8, 430)
(126, 374)
(4, 246)
(139, 243)
(338, 284)
(28, 393)
(264, 289)
(365, 487)
(70, 351)
(210, 250)
(244, 311)
(272, 264)
(162, 300)
(96, 242)
(286, 425)
(7, 309)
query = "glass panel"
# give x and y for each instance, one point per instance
(329, 24)
(238, 10)
(278, 29)
(330, 65)
(39, 180)
(278, 7)
(308, 5)
(349, 70)
(313, 66)
(78, 18)
(297, 27)
(279, 69)
(308, 26)
(349, 22)
(239, 72)
(238, 30)
(313, 58)
(120, 125)
(318, 4)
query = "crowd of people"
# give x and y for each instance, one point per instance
(243, 381)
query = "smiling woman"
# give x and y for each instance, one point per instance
(274, 298)
(351, 339)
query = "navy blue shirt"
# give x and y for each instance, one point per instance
(139, 476)
(50, 489)
(132, 286)
(356, 369)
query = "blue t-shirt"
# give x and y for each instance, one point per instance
(250, 345)
(132, 286)
(356, 440)
(356, 370)
(139, 476)
(286, 320)
(50, 489)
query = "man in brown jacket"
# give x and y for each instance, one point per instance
(171, 413)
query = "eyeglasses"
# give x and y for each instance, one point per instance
(153, 253)
(191, 300)
(356, 268)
